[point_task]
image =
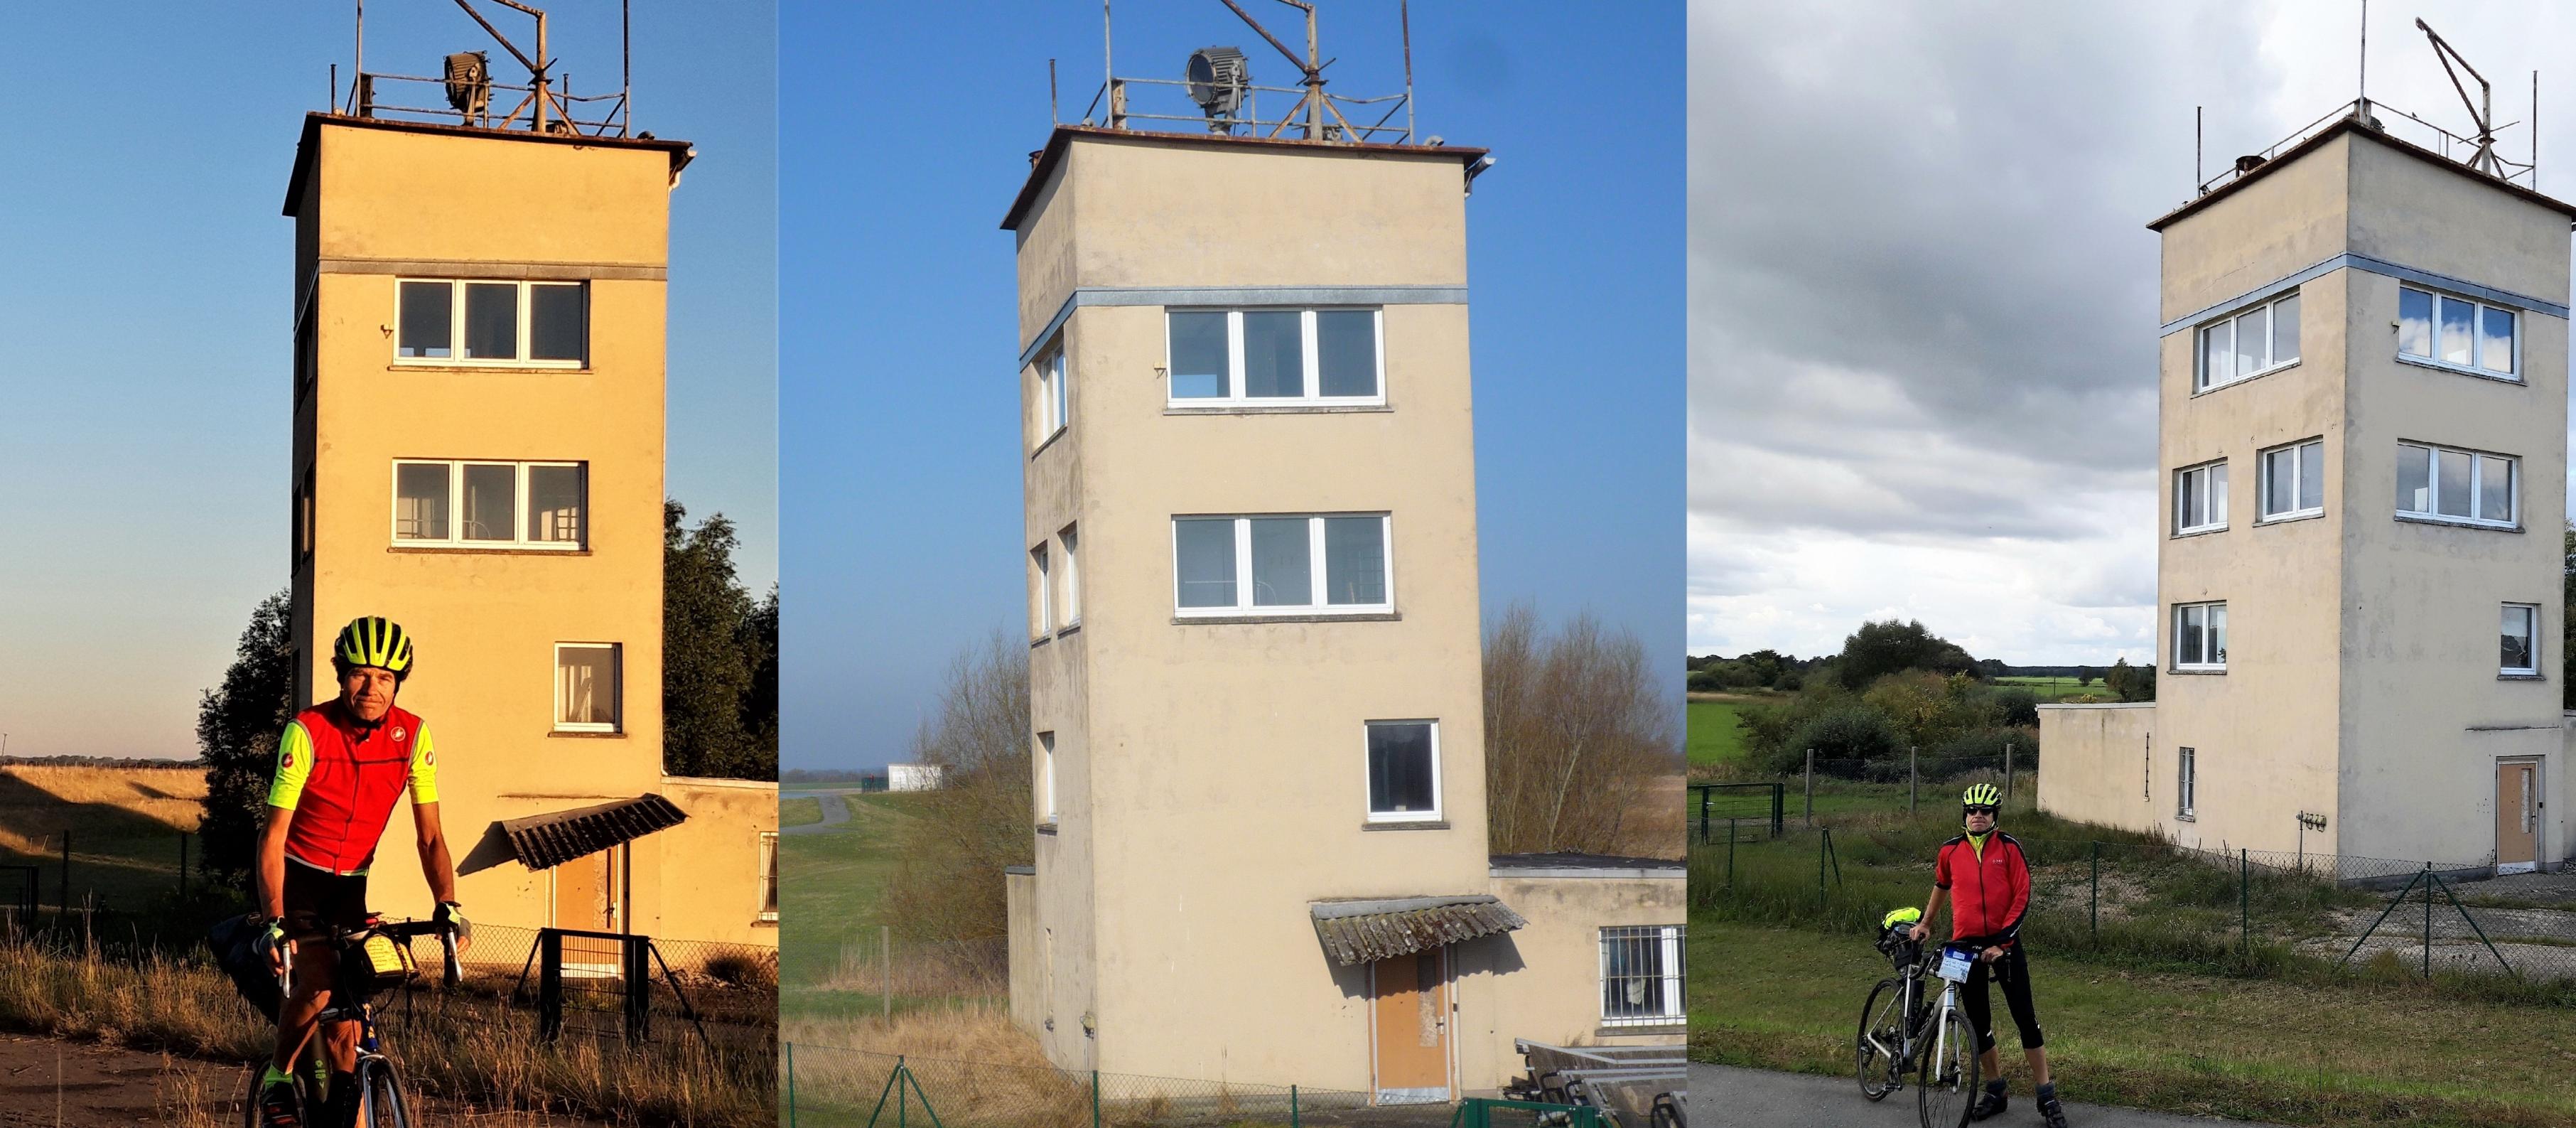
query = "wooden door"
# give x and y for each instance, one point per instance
(1410, 1016)
(2517, 816)
(585, 899)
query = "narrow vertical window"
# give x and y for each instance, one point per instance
(769, 876)
(1404, 771)
(2521, 656)
(2200, 498)
(1069, 577)
(1041, 596)
(1046, 778)
(2414, 323)
(2186, 782)
(2454, 342)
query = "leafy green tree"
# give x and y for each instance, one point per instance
(238, 723)
(1879, 649)
(712, 653)
(2016, 708)
(2131, 683)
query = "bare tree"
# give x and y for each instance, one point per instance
(1582, 741)
(948, 883)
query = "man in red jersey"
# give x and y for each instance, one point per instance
(341, 767)
(1986, 881)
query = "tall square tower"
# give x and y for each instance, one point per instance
(2362, 440)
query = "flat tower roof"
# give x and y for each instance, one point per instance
(2349, 125)
(681, 152)
(1062, 138)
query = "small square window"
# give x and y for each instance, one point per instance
(558, 322)
(2200, 636)
(1641, 975)
(420, 501)
(2293, 480)
(428, 313)
(1404, 771)
(2521, 637)
(586, 687)
(2200, 498)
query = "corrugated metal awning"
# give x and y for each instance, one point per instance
(551, 839)
(1364, 931)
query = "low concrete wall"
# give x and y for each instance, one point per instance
(1544, 983)
(1020, 900)
(2098, 766)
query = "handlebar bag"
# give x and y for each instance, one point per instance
(234, 940)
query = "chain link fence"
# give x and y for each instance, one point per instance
(831, 1087)
(727, 992)
(2242, 911)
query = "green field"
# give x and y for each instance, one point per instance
(2368, 1053)
(1714, 734)
(800, 812)
(830, 883)
(2050, 690)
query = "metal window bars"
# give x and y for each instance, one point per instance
(1641, 975)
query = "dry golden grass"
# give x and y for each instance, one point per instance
(972, 1064)
(471, 1052)
(41, 795)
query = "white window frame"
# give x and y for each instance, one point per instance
(2531, 625)
(1067, 540)
(2186, 485)
(2186, 783)
(456, 326)
(1046, 778)
(2206, 663)
(2477, 336)
(1315, 569)
(767, 910)
(1054, 393)
(455, 540)
(616, 688)
(1665, 940)
(2477, 486)
(1313, 397)
(2263, 481)
(1043, 607)
(2234, 322)
(1439, 800)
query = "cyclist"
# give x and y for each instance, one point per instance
(1986, 880)
(341, 767)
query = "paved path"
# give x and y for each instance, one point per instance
(1727, 1097)
(835, 812)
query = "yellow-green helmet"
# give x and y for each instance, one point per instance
(1982, 795)
(1901, 916)
(373, 640)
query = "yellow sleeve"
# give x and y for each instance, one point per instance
(294, 765)
(424, 768)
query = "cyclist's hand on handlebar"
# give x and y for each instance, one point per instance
(271, 943)
(453, 915)
(1921, 930)
(1992, 954)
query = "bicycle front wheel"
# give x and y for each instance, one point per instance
(1946, 1089)
(1877, 1047)
(385, 1107)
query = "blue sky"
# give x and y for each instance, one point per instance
(906, 131)
(143, 320)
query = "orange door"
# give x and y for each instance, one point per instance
(1411, 1017)
(2517, 815)
(585, 899)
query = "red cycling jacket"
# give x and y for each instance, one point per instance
(1989, 886)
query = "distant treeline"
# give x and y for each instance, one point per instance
(120, 762)
(828, 775)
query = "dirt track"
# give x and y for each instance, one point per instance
(97, 1086)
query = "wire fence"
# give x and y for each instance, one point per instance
(831, 1086)
(726, 992)
(2240, 911)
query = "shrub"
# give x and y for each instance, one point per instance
(2017, 708)
(1851, 731)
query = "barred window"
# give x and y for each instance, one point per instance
(1641, 975)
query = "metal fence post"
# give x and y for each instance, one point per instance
(2244, 902)
(885, 990)
(1913, 780)
(1811, 798)
(791, 1084)
(1292, 1107)
(2097, 894)
(1095, 1098)
(549, 983)
(2428, 922)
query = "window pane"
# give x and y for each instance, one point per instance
(2451, 483)
(2414, 323)
(1399, 768)
(2285, 330)
(2456, 340)
(2253, 336)
(2187, 498)
(2217, 644)
(420, 501)
(2187, 622)
(491, 502)
(2414, 480)
(1057, 396)
(2517, 638)
(555, 504)
(2495, 488)
(2312, 476)
(558, 319)
(2495, 339)
(1346, 352)
(2217, 353)
(1355, 560)
(427, 310)
(491, 321)
(1198, 356)
(2280, 472)
(2217, 495)
(1203, 556)
(1274, 354)
(1283, 563)
(586, 685)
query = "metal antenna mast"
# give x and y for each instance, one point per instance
(2482, 109)
(1313, 101)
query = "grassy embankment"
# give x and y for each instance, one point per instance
(125, 826)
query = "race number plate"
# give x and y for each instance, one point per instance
(1955, 963)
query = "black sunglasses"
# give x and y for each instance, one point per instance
(1979, 810)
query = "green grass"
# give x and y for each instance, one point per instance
(799, 812)
(2058, 689)
(1714, 735)
(830, 884)
(2367, 1052)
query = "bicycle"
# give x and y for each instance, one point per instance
(373, 957)
(1902, 1031)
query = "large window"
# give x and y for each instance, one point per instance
(2200, 498)
(1054, 398)
(586, 687)
(2250, 343)
(1333, 563)
(1258, 357)
(2186, 783)
(1403, 771)
(1046, 778)
(478, 504)
(2294, 480)
(463, 321)
(2457, 333)
(1641, 975)
(2521, 640)
(2200, 636)
(2467, 487)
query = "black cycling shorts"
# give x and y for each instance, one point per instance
(2013, 972)
(317, 900)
